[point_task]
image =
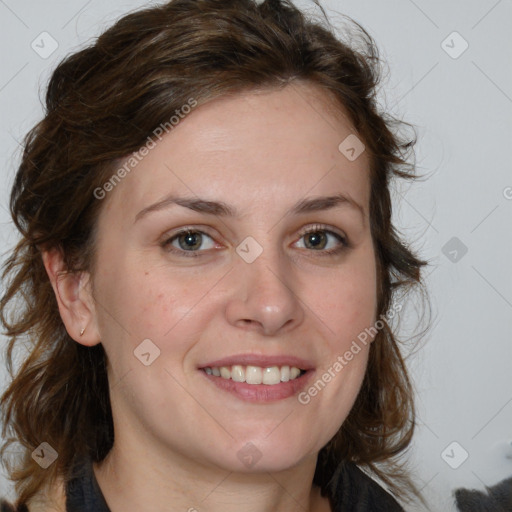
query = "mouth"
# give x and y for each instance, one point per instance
(257, 378)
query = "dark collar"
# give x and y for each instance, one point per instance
(83, 494)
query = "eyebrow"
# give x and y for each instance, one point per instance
(222, 209)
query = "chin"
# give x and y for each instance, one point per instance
(265, 455)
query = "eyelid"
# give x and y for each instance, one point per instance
(322, 227)
(199, 228)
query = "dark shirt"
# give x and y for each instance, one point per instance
(83, 494)
(350, 490)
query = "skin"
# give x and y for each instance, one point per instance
(176, 434)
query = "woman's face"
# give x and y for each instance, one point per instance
(246, 289)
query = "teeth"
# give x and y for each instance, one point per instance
(272, 375)
(294, 373)
(225, 373)
(255, 374)
(237, 373)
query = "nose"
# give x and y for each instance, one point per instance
(265, 296)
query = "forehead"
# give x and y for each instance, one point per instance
(253, 149)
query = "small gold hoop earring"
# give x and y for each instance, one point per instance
(82, 331)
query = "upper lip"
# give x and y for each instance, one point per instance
(260, 360)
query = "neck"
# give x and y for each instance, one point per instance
(132, 482)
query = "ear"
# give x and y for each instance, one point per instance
(74, 297)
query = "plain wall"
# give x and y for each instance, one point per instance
(459, 218)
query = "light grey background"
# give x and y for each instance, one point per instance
(461, 106)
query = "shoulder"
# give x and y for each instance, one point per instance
(354, 491)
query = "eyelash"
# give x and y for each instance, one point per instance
(166, 244)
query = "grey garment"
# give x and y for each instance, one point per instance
(497, 499)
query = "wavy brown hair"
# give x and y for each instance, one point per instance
(102, 103)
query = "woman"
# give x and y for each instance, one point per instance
(208, 270)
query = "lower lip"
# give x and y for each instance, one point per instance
(261, 392)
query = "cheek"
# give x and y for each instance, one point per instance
(349, 310)
(348, 305)
(140, 302)
(144, 297)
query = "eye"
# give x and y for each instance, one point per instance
(189, 241)
(192, 242)
(318, 238)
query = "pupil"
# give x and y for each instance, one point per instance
(317, 238)
(192, 241)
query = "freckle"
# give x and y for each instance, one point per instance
(146, 273)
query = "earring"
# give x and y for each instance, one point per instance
(82, 331)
